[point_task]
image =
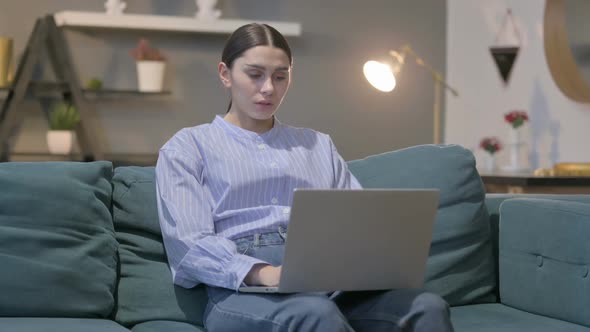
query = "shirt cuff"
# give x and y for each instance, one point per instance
(242, 265)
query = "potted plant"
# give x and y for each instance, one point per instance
(63, 119)
(150, 66)
(94, 84)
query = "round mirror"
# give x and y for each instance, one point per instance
(567, 46)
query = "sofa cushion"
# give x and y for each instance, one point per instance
(145, 290)
(30, 324)
(58, 253)
(495, 317)
(545, 257)
(460, 267)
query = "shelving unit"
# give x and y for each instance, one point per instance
(48, 34)
(163, 23)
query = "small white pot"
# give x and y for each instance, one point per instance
(60, 141)
(490, 162)
(150, 75)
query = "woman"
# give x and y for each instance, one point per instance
(224, 194)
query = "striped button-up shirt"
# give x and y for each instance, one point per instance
(217, 182)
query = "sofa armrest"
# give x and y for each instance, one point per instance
(544, 257)
(493, 201)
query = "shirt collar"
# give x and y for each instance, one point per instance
(244, 133)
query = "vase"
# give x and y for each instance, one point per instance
(516, 145)
(60, 141)
(115, 7)
(206, 10)
(489, 162)
(150, 75)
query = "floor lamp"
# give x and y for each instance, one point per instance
(381, 75)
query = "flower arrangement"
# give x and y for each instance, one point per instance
(516, 118)
(144, 52)
(491, 145)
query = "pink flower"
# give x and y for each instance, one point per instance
(490, 144)
(516, 118)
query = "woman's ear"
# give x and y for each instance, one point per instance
(224, 74)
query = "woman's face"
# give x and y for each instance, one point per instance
(258, 81)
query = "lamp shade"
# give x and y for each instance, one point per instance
(379, 75)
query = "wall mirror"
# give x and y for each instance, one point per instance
(567, 46)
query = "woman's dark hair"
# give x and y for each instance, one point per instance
(252, 35)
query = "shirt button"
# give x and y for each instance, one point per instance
(274, 200)
(261, 146)
(286, 210)
(273, 164)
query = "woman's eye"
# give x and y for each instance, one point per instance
(281, 78)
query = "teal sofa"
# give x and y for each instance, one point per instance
(81, 249)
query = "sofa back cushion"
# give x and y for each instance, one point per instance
(545, 257)
(58, 253)
(460, 266)
(146, 291)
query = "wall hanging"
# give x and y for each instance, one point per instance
(505, 55)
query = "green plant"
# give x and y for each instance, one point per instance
(144, 52)
(63, 116)
(94, 84)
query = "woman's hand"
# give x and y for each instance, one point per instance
(263, 275)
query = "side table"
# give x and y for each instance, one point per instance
(521, 183)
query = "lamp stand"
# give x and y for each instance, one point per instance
(436, 112)
(439, 84)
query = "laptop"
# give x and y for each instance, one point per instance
(353, 240)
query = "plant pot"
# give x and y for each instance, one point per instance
(60, 141)
(150, 75)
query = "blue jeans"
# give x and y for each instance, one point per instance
(392, 310)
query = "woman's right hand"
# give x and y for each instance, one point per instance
(263, 275)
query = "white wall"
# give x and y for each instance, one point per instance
(559, 128)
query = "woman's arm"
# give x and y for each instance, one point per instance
(343, 179)
(195, 253)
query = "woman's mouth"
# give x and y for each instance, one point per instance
(264, 106)
(264, 103)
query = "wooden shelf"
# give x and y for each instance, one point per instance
(52, 89)
(163, 23)
(123, 93)
(118, 159)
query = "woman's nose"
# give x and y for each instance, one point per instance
(267, 87)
